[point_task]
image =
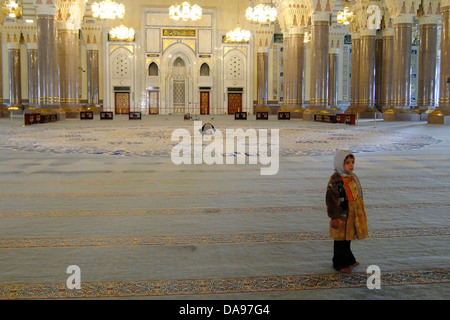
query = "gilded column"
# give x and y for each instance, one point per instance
(442, 114)
(264, 36)
(378, 70)
(386, 71)
(293, 68)
(92, 76)
(426, 82)
(319, 67)
(293, 18)
(402, 14)
(47, 56)
(262, 80)
(70, 15)
(2, 106)
(33, 74)
(15, 86)
(333, 78)
(287, 74)
(354, 84)
(366, 77)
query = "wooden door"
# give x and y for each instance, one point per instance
(122, 102)
(234, 102)
(153, 102)
(204, 102)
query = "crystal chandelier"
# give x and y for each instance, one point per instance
(185, 12)
(12, 9)
(307, 36)
(108, 9)
(238, 35)
(261, 13)
(121, 33)
(345, 17)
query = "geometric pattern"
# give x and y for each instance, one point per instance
(106, 289)
(201, 239)
(134, 141)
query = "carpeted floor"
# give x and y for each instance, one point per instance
(105, 196)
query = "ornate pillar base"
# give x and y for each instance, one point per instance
(439, 117)
(401, 115)
(295, 109)
(308, 114)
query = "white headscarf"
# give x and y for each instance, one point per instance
(339, 159)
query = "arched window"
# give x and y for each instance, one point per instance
(153, 69)
(204, 70)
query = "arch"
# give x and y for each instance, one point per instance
(179, 73)
(153, 69)
(204, 70)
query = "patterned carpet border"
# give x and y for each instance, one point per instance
(206, 211)
(207, 239)
(195, 193)
(218, 286)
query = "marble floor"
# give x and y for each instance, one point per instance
(106, 197)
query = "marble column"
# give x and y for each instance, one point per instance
(3, 110)
(69, 64)
(92, 76)
(386, 69)
(442, 114)
(426, 82)
(319, 66)
(33, 76)
(15, 83)
(366, 89)
(354, 81)
(378, 70)
(262, 79)
(263, 35)
(48, 58)
(333, 78)
(401, 95)
(293, 72)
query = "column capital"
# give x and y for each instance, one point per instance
(320, 17)
(292, 13)
(70, 14)
(333, 50)
(403, 19)
(368, 32)
(45, 7)
(431, 19)
(388, 32)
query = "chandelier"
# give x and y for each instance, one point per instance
(121, 33)
(12, 9)
(185, 12)
(307, 36)
(261, 13)
(108, 9)
(345, 17)
(238, 35)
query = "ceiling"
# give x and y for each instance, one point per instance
(30, 12)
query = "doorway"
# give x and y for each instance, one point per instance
(234, 102)
(153, 102)
(204, 102)
(122, 102)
